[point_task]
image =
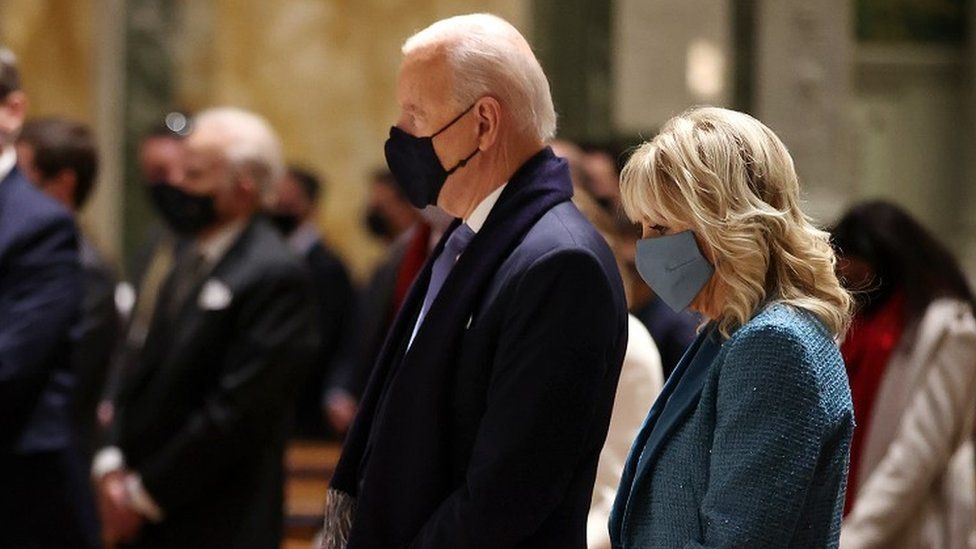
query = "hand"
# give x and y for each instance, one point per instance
(105, 413)
(121, 522)
(340, 411)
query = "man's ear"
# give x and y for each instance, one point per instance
(13, 110)
(61, 187)
(488, 114)
(249, 187)
(67, 182)
(15, 107)
(16, 102)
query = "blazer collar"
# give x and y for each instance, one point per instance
(682, 399)
(679, 396)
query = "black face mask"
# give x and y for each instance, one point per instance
(415, 165)
(285, 222)
(378, 225)
(185, 213)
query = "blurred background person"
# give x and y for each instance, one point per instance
(595, 169)
(748, 444)
(45, 500)
(641, 379)
(60, 157)
(911, 359)
(378, 301)
(292, 205)
(196, 450)
(388, 213)
(160, 163)
(600, 177)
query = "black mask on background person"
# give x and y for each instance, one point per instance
(285, 222)
(187, 214)
(415, 165)
(378, 225)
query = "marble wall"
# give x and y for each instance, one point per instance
(323, 73)
(67, 70)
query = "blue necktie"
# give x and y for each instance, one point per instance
(454, 247)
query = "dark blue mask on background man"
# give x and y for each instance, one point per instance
(187, 214)
(415, 165)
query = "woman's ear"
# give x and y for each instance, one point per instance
(488, 114)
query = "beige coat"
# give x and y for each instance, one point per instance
(641, 379)
(917, 485)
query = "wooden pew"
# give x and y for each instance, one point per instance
(308, 468)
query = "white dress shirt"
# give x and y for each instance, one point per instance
(301, 240)
(476, 220)
(8, 159)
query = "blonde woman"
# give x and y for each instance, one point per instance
(747, 445)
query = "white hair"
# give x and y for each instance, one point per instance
(488, 56)
(247, 141)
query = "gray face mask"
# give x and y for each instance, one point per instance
(674, 268)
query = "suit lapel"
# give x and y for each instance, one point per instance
(682, 400)
(640, 442)
(164, 334)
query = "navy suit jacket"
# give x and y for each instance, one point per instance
(499, 447)
(40, 296)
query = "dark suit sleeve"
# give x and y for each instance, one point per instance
(369, 315)
(39, 299)
(95, 336)
(558, 343)
(766, 445)
(272, 338)
(334, 293)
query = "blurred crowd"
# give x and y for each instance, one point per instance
(153, 403)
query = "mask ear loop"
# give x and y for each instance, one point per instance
(451, 123)
(463, 162)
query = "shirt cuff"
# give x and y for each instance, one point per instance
(140, 500)
(107, 460)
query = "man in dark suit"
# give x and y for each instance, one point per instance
(60, 157)
(44, 500)
(198, 442)
(294, 202)
(488, 407)
(160, 165)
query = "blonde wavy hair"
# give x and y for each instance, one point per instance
(732, 181)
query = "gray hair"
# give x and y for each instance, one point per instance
(9, 75)
(488, 56)
(248, 142)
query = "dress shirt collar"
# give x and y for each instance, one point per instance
(480, 214)
(216, 245)
(301, 240)
(8, 159)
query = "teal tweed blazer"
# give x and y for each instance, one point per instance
(747, 445)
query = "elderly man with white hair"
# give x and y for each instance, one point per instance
(196, 449)
(489, 404)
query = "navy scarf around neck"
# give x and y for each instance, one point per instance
(396, 460)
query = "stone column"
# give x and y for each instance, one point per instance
(802, 88)
(103, 213)
(967, 225)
